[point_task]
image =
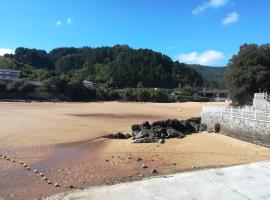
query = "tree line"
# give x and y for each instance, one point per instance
(62, 70)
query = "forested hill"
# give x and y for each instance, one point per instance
(210, 73)
(118, 67)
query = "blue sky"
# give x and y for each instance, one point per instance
(193, 31)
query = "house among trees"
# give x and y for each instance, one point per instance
(90, 85)
(217, 94)
(8, 74)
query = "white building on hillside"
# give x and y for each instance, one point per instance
(90, 85)
(8, 74)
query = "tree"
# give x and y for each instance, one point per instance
(15, 85)
(3, 86)
(34, 57)
(26, 88)
(143, 95)
(248, 72)
(159, 95)
(68, 62)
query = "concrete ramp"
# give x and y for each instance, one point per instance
(249, 181)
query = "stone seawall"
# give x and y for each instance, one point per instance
(250, 130)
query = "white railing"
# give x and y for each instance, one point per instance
(261, 101)
(247, 112)
(262, 95)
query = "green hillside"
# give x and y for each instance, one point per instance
(210, 73)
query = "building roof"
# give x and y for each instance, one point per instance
(10, 70)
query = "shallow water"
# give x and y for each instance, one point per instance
(16, 181)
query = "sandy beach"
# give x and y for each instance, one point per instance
(62, 140)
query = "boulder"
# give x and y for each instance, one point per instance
(145, 125)
(161, 141)
(118, 135)
(188, 128)
(217, 127)
(202, 127)
(136, 127)
(175, 124)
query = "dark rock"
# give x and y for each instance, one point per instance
(146, 140)
(156, 132)
(141, 134)
(139, 159)
(172, 133)
(136, 127)
(170, 128)
(160, 123)
(175, 124)
(161, 141)
(195, 126)
(163, 136)
(145, 125)
(202, 127)
(187, 127)
(144, 166)
(118, 135)
(197, 120)
(217, 127)
(153, 171)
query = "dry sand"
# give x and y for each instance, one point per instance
(62, 140)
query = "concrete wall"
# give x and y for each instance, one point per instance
(255, 131)
(251, 123)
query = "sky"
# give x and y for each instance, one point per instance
(206, 32)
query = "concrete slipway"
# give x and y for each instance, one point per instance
(248, 181)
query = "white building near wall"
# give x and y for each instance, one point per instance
(8, 74)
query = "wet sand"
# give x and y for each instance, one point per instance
(63, 141)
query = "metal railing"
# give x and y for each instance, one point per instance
(248, 113)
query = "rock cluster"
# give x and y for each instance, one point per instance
(158, 131)
(170, 128)
(118, 135)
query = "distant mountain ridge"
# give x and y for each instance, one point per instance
(210, 73)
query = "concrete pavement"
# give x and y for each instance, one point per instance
(242, 182)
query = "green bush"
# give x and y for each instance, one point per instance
(3, 86)
(159, 95)
(15, 85)
(143, 95)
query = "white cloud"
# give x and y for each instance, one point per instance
(59, 23)
(209, 4)
(209, 57)
(6, 51)
(232, 17)
(69, 21)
